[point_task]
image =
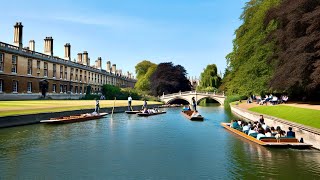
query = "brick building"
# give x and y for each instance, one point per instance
(22, 70)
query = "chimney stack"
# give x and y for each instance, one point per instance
(67, 51)
(108, 66)
(32, 45)
(48, 46)
(114, 68)
(85, 58)
(80, 58)
(17, 39)
(98, 63)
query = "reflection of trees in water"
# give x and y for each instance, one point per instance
(252, 161)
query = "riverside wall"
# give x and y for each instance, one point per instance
(309, 135)
(9, 121)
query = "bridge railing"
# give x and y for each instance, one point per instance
(192, 92)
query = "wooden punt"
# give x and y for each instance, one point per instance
(151, 114)
(74, 118)
(270, 141)
(188, 114)
(132, 112)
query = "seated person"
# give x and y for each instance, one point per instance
(145, 110)
(268, 133)
(280, 133)
(252, 131)
(195, 114)
(245, 128)
(290, 133)
(273, 131)
(285, 99)
(260, 134)
(186, 108)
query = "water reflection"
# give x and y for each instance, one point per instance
(167, 146)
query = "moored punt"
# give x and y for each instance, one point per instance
(151, 114)
(132, 112)
(270, 141)
(188, 114)
(74, 118)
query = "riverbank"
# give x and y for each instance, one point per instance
(29, 115)
(310, 135)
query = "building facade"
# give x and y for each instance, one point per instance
(23, 69)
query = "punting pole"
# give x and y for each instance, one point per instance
(114, 103)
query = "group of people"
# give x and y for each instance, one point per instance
(259, 129)
(268, 99)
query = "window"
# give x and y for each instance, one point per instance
(38, 68)
(61, 88)
(29, 88)
(65, 72)
(61, 72)
(1, 61)
(80, 89)
(45, 69)
(14, 86)
(76, 89)
(54, 70)
(29, 66)
(65, 89)
(54, 88)
(89, 77)
(85, 76)
(14, 64)
(1, 85)
(77, 74)
(71, 74)
(80, 75)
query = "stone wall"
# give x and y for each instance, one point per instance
(309, 135)
(10, 121)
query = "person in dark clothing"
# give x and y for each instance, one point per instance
(194, 104)
(261, 120)
(290, 133)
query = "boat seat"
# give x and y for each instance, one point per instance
(268, 139)
(254, 135)
(288, 139)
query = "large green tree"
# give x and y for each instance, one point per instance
(209, 78)
(144, 70)
(251, 63)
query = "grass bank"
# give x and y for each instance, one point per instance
(9, 108)
(308, 117)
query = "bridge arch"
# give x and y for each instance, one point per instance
(178, 98)
(209, 97)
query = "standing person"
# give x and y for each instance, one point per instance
(261, 120)
(194, 104)
(129, 103)
(145, 104)
(290, 133)
(97, 106)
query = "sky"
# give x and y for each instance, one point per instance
(191, 33)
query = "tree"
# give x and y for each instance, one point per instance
(144, 70)
(168, 78)
(209, 78)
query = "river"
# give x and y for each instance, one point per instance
(166, 146)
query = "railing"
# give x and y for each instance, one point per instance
(193, 93)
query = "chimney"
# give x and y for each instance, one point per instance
(67, 51)
(17, 39)
(48, 46)
(31, 45)
(80, 58)
(114, 68)
(98, 63)
(85, 58)
(88, 62)
(108, 66)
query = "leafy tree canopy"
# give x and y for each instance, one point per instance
(210, 78)
(144, 70)
(168, 78)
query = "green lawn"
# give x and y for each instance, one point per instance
(309, 117)
(9, 108)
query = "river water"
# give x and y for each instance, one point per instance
(166, 146)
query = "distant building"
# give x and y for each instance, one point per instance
(195, 82)
(22, 70)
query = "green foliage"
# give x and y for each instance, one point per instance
(251, 64)
(209, 77)
(144, 70)
(207, 89)
(231, 99)
(309, 117)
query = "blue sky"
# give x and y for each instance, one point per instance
(191, 33)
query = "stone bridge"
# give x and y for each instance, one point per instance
(168, 98)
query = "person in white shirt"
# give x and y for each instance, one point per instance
(268, 133)
(129, 103)
(245, 128)
(260, 134)
(252, 131)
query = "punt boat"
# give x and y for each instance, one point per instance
(132, 112)
(74, 118)
(188, 114)
(151, 114)
(270, 141)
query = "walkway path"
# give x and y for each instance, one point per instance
(300, 105)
